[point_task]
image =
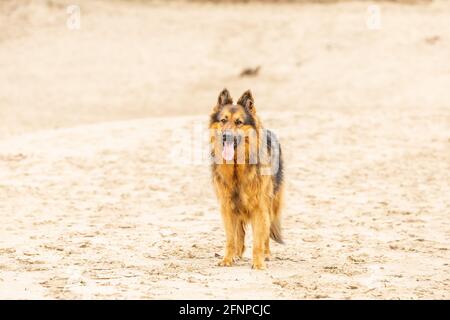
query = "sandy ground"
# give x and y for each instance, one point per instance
(94, 202)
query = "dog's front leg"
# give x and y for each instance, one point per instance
(230, 223)
(261, 232)
(240, 239)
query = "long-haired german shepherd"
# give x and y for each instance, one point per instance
(247, 173)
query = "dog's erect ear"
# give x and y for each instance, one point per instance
(246, 100)
(224, 98)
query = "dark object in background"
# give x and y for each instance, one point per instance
(432, 40)
(250, 72)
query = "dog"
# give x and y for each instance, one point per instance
(247, 174)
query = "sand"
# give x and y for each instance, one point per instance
(95, 203)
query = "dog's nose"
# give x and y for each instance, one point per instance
(227, 137)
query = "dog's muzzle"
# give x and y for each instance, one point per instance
(229, 137)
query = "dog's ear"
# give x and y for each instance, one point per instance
(224, 98)
(246, 100)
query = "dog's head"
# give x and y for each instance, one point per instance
(232, 122)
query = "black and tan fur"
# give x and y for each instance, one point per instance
(246, 195)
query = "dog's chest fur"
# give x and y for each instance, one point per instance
(238, 185)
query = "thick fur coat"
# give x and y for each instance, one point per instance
(247, 173)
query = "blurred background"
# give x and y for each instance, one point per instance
(95, 205)
(132, 59)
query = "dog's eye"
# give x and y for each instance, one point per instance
(223, 120)
(238, 122)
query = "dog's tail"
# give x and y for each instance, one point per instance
(275, 230)
(275, 226)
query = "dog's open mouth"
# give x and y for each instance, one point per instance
(228, 150)
(230, 142)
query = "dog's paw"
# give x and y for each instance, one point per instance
(225, 262)
(237, 258)
(259, 266)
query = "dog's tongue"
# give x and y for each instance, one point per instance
(228, 151)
